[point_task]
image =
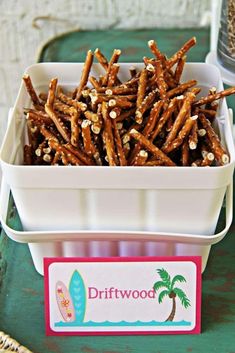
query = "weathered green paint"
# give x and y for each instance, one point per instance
(21, 291)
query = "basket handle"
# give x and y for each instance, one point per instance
(87, 235)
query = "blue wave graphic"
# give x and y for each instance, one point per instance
(122, 323)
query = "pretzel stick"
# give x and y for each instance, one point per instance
(52, 92)
(151, 147)
(80, 154)
(64, 108)
(113, 60)
(184, 132)
(119, 90)
(75, 129)
(56, 158)
(94, 82)
(108, 136)
(161, 81)
(209, 113)
(153, 117)
(87, 140)
(164, 118)
(67, 155)
(101, 59)
(179, 69)
(146, 104)
(212, 97)
(120, 152)
(38, 118)
(170, 79)
(141, 158)
(40, 147)
(141, 94)
(154, 163)
(32, 93)
(115, 112)
(58, 123)
(154, 49)
(193, 137)
(181, 88)
(125, 115)
(120, 102)
(85, 74)
(207, 160)
(220, 153)
(113, 75)
(28, 155)
(71, 102)
(179, 121)
(133, 71)
(180, 53)
(91, 116)
(185, 153)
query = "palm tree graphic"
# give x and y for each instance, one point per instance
(171, 291)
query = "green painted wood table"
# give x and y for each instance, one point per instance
(21, 288)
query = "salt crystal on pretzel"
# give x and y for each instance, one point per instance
(151, 148)
(85, 74)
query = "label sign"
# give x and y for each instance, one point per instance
(103, 296)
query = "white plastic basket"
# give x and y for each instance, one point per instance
(58, 203)
(88, 243)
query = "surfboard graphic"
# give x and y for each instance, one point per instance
(78, 294)
(64, 302)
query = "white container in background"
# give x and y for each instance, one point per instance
(181, 200)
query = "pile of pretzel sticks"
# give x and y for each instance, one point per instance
(152, 119)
